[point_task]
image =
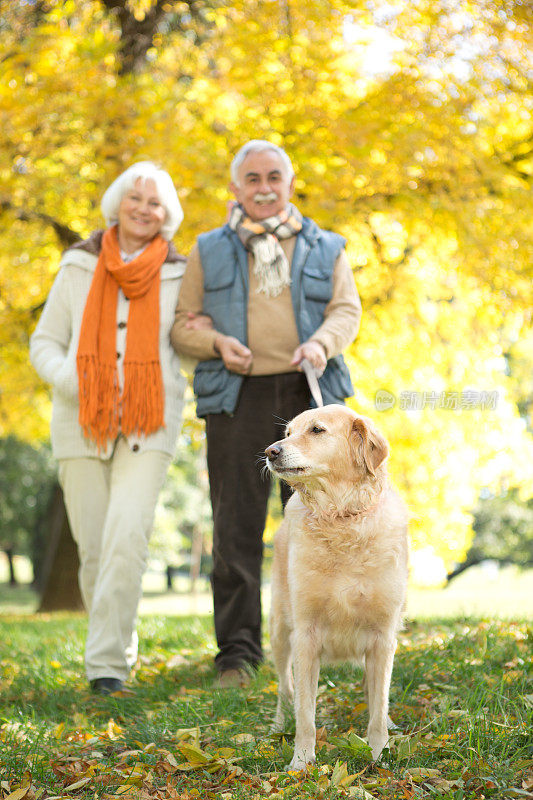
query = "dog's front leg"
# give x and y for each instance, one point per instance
(391, 725)
(306, 666)
(281, 652)
(379, 659)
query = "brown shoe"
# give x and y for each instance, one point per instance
(233, 679)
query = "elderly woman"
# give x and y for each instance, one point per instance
(103, 344)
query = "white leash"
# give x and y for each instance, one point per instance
(312, 380)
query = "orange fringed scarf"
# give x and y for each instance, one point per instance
(140, 409)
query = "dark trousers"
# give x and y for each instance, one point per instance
(240, 486)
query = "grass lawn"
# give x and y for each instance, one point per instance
(460, 696)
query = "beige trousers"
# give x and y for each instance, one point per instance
(110, 506)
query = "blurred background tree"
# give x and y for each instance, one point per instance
(503, 532)
(27, 477)
(410, 128)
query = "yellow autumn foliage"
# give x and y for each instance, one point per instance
(410, 129)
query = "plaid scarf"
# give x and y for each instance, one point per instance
(262, 240)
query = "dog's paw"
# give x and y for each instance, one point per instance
(300, 762)
(377, 751)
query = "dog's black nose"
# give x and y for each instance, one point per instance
(273, 451)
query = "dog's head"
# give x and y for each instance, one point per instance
(331, 443)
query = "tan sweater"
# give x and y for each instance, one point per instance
(272, 332)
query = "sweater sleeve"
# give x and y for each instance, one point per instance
(195, 344)
(342, 316)
(50, 340)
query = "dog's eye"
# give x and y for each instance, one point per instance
(316, 429)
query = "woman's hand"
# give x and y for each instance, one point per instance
(198, 322)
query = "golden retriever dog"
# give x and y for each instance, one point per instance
(340, 566)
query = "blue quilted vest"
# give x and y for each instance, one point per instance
(225, 266)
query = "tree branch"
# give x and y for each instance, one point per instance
(137, 35)
(66, 235)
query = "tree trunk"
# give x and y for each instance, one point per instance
(59, 579)
(12, 577)
(169, 578)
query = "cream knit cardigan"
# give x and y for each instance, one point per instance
(54, 345)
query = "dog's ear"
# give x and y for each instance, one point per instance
(375, 448)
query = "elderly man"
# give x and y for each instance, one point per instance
(278, 289)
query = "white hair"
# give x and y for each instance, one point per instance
(258, 146)
(145, 170)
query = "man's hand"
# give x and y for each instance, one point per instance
(198, 322)
(314, 353)
(235, 355)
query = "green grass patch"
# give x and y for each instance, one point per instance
(460, 696)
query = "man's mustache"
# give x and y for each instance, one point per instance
(271, 197)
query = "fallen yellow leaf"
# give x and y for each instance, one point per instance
(18, 794)
(77, 785)
(113, 730)
(193, 754)
(58, 730)
(422, 773)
